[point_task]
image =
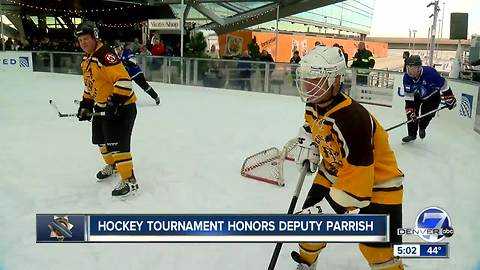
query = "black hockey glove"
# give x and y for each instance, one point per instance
(111, 111)
(85, 110)
(449, 99)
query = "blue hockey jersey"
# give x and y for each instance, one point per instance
(130, 63)
(428, 84)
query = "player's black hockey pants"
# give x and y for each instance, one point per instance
(113, 137)
(422, 107)
(142, 82)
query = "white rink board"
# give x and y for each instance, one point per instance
(16, 61)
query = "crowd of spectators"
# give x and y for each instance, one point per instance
(43, 44)
(156, 47)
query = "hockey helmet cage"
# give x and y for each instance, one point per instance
(324, 63)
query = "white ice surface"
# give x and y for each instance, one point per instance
(187, 156)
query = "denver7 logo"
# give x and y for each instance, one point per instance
(434, 223)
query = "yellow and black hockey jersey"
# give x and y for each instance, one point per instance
(105, 78)
(358, 165)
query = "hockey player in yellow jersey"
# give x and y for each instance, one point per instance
(108, 89)
(358, 170)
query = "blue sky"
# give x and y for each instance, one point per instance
(393, 18)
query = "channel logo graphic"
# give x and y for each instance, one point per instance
(433, 224)
(60, 228)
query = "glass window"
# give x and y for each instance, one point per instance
(352, 14)
(6, 21)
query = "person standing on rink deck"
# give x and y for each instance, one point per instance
(424, 88)
(358, 170)
(108, 89)
(135, 72)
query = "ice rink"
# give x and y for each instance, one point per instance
(187, 155)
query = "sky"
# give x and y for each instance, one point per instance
(394, 18)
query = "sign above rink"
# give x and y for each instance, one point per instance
(164, 24)
(16, 61)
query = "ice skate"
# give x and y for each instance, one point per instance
(421, 133)
(301, 264)
(408, 139)
(106, 172)
(125, 188)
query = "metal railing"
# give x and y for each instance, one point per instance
(377, 87)
(369, 86)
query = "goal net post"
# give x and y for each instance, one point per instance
(267, 165)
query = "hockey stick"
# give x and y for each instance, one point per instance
(291, 208)
(60, 114)
(411, 120)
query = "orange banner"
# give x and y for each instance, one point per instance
(288, 44)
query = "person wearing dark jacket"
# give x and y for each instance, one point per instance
(345, 55)
(245, 70)
(267, 57)
(295, 60)
(363, 60)
(405, 56)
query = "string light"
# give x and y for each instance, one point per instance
(120, 25)
(243, 20)
(73, 11)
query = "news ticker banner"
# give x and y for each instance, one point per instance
(212, 228)
(421, 250)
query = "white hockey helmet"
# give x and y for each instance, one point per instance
(320, 66)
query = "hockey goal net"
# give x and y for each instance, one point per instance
(267, 165)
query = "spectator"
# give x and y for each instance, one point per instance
(266, 56)
(363, 60)
(294, 60)
(143, 50)
(345, 55)
(17, 45)
(245, 70)
(9, 44)
(135, 46)
(177, 49)
(158, 48)
(213, 52)
(168, 49)
(25, 46)
(405, 56)
(44, 44)
(55, 46)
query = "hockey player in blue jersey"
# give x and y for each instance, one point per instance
(135, 72)
(424, 89)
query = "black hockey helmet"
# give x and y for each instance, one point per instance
(413, 60)
(85, 28)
